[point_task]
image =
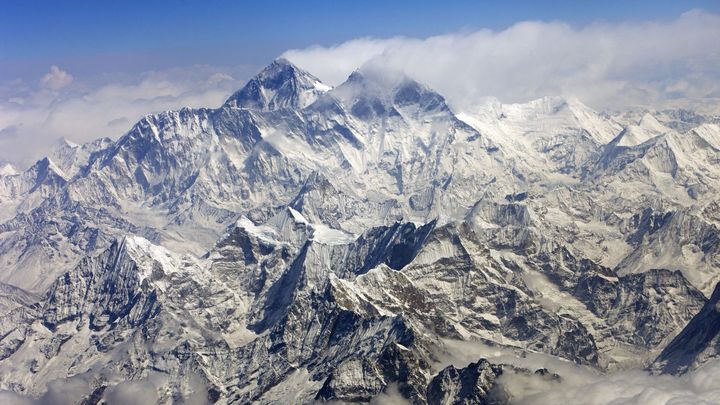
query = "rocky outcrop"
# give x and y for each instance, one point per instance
(641, 309)
(698, 342)
(474, 384)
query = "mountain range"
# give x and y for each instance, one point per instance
(306, 243)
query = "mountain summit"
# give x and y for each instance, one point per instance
(279, 85)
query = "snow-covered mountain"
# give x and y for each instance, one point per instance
(304, 243)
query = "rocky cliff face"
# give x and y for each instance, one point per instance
(698, 341)
(474, 384)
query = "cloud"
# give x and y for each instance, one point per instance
(56, 79)
(33, 117)
(581, 385)
(609, 66)
(189, 389)
(11, 398)
(635, 387)
(132, 392)
(66, 391)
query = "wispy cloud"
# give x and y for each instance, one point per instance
(56, 79)
(34, 115)
(654, 64)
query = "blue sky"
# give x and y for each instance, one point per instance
(100, 36)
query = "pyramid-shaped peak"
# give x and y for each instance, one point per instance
(383, 79)
(7, 169)
(355, 77)
(282, 62)
(281, 84)
(280, 70)
(410, 91)
(649, 122)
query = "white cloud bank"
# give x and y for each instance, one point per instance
(581, 385)
(608, 66)
(632, 387)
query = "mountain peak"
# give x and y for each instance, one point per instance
(7, 169)
(281, 84)
(280, 61)
(392, 89)
(649, 122)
